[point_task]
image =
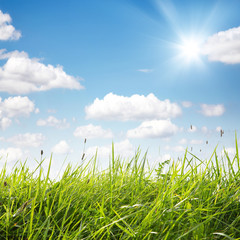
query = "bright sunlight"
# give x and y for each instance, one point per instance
(190, 49)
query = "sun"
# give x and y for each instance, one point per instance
(190, 49)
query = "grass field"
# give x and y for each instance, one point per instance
(185, 199)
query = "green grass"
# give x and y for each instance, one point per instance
(192, 199)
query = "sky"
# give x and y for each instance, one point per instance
(162, 75)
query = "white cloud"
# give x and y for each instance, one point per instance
(51, 121)
(7, 31)
(5, 123)
(192, 129)
(187, 104)
(196, 142)
(124, 149)
(91, 131)
(153, 129)
(11, 154)
(218, 129)
(61, 148)
(16, 106)
(13, 107)
(183, 141)
(212, 110)
(21, 74)
(224, 46)
(27, 140)
(145, 70)
(136, 107)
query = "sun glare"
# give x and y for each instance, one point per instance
(190, 49)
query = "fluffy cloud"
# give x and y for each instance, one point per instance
(91, 131)
(136, 107)
(153, 129)
(27, 140)
(61, 148)
(51, 121)
(212, 110)
(5, 123)
(21, 74)
(11, 154)
(224, 46)
(14, 107)
(7, 31)
(187, 104)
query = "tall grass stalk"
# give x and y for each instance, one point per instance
(192, 199)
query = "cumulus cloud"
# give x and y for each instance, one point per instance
(16, 106)
(27, 140)
(13, 107)
(153, 129)
(136, 107)
(187, 104)
(51, 121)
(91, 131)
(11, 154)
(61, 148)
(5, 123)
(21, 74)
(212, 110)
(224, 46)
(7, 31)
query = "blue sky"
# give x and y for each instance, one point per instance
(139, 73)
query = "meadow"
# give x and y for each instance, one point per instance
(188, 198)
